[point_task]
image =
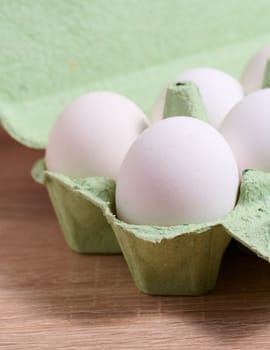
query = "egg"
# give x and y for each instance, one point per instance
(93, 134)
(253, 75)
(179, 171)
(219, 92)
(247, 130)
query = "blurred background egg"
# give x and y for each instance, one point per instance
(253, 75)
(219, 92)
(93, 134)
(179, 171)
(247, 130)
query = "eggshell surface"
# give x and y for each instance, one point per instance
(93, 134)
(178, 171)
(253, 75)
(219, 92)
(247, 130)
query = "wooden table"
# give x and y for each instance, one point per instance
(52, 298)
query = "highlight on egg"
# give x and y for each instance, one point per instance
(219, 92)
(253, 75)
(93, 134)
(179, 171)
(247, 128)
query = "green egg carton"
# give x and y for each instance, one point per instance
(48, 59)
(177, 260)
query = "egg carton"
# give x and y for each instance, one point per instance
(178, 260)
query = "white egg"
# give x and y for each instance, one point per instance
(219, 92)
(253, 75)
(180, 170)
(247, 130)
(93, 134)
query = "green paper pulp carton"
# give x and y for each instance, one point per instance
(51, 52)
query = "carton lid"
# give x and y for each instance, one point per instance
(53, 52)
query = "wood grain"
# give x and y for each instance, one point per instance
(52, 298)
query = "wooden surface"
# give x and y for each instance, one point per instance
(52, 298)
